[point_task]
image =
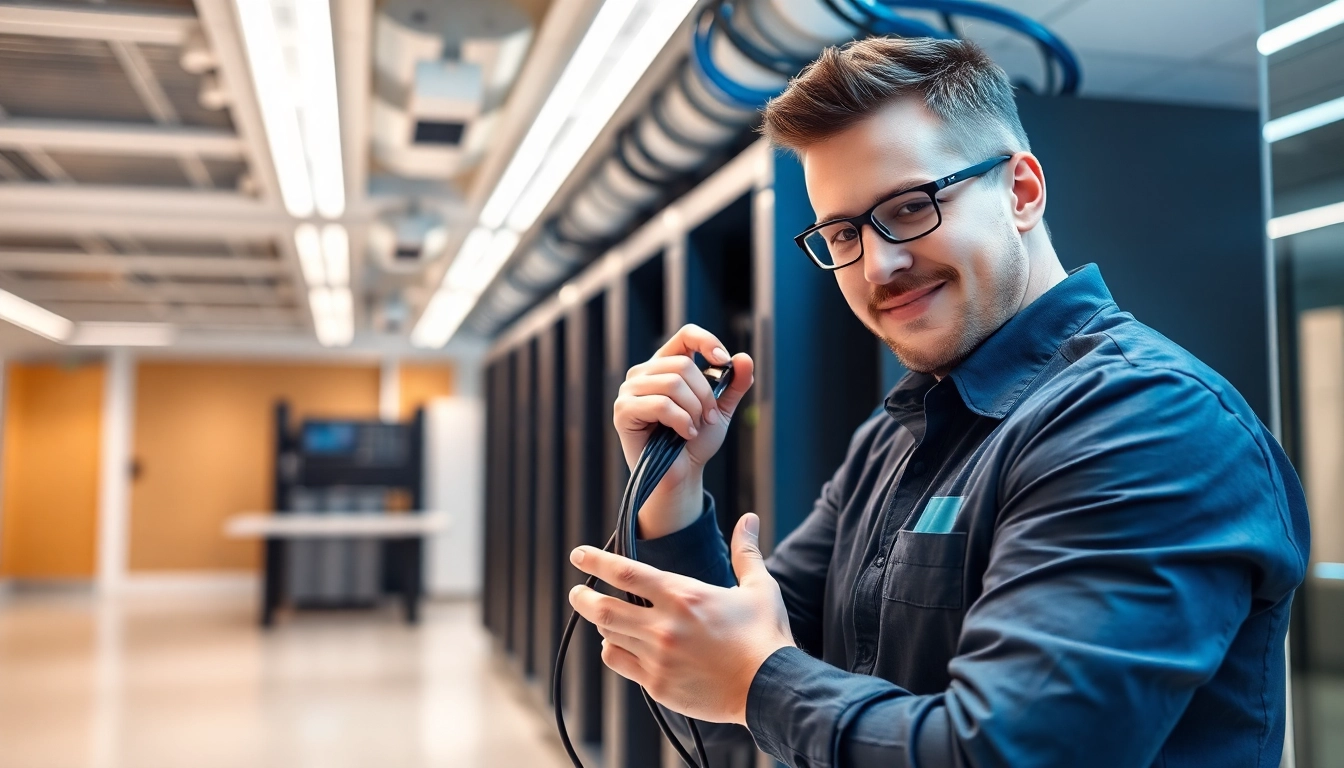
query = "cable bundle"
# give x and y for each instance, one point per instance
(659, 453)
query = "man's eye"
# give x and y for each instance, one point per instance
(912, 208)
(845, 235)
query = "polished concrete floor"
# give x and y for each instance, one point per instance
(167, 682)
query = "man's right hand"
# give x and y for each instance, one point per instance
(669, 389)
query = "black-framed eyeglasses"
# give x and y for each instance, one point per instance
(905, 216)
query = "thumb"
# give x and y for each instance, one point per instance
(748, 563)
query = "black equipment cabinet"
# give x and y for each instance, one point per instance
(343, 458)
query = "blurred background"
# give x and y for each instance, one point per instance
(315, 310)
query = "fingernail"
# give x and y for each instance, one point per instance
(753, 525)
(694, 431)
(721, 356)
(576, 557)
(712, 416)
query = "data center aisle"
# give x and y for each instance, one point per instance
(147, 682)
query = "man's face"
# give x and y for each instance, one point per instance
(934, 299)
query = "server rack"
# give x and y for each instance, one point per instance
(590, 420)
(343, 465)
(551, 597)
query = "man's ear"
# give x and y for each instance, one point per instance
(1027, 188)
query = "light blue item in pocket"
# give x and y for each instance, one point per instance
(939, 515)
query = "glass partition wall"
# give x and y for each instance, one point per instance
(1304, 134)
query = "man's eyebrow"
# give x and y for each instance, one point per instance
(904, 186)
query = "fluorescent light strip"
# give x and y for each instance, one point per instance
(321, 114)
(469, 255)
(124, 335)
(639, 53)
(1328, 571)
(1305, 221)
(1303, 27)
(271, 82)
(333, 312)
(26, 314)
(336, 249)
(479, 259)
(556, 110)
(446, 312)
(309, 245)
(1308, 119)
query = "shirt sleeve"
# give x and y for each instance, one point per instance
(1134, 521)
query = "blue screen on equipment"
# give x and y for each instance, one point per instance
(330, 438)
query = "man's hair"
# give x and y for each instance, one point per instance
(955, 79)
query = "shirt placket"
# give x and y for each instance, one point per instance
(912, 482)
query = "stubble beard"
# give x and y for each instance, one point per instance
(970, 326)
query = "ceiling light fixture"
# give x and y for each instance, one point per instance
(26, 314)
(559, 105)
(309, 246)
(1308, 119)
(1303, 27)
(623, 40)
(273, 87)
(336, 249)
(1305, 221)
(321, 112)
(97, 334)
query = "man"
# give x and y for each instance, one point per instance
(1065, 541)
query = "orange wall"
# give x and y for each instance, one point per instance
(421, 382)
(205, 445)
(52, 433)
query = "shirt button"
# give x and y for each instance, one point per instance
(879, 562)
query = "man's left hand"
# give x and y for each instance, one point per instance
(697, 649)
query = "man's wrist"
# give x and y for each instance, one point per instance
(673, 505)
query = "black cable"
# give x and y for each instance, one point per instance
(654, 461)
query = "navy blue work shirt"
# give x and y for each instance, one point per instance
(1077, 549)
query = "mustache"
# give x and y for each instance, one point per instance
(906, 282)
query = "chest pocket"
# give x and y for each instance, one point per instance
(925, 569)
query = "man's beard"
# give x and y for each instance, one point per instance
(969, 328)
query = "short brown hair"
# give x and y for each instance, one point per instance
(956, 80)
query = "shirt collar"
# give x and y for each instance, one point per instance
(994, 376)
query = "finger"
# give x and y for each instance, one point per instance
(638, 648)
(748, 563)
(605, 612)
(658, 409)
(686, 369)
(621, 572)
(670, 385)
(744, 375)
(623, 663)
(692, 338)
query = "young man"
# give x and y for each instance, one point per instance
(1066, 542)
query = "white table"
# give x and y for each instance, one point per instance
(345, 525)
(403, 529)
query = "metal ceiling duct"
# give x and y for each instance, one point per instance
(743, 53)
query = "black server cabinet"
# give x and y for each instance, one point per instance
(551, 597)
(524, 530)
(636, 328)
(588, 424)
(719, 298)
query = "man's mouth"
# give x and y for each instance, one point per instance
(909, 302)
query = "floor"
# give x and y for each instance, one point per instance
(150, 682)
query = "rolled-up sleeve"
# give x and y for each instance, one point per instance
(1134, 521)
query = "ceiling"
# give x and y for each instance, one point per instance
(123, 198)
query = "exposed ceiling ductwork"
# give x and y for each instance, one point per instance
(742, 52)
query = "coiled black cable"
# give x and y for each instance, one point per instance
(659, 453)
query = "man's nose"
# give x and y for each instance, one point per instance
(882, 260)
